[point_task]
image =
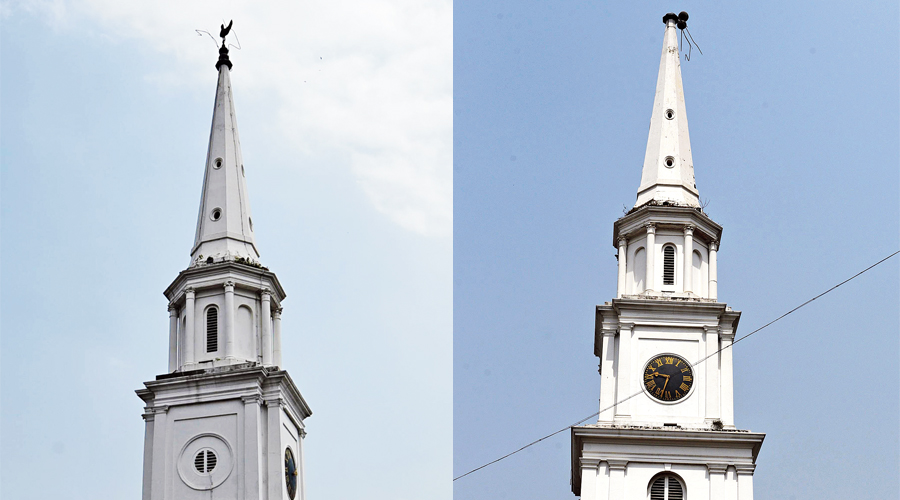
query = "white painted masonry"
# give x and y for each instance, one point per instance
(638, 437)
(225, 406)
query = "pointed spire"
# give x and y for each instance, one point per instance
(224, 225)
(668, 173)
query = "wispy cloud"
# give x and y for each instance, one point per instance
(365, 82)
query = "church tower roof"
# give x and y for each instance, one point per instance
(668, 173)
(224, 224)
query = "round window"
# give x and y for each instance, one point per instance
(669, 161)
(216, 214)
(205, 461)
(218, 164)
(670, 114)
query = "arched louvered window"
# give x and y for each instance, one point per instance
(666, 487)
(212, 329)
(669, 265)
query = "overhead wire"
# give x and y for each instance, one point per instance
(618, 402)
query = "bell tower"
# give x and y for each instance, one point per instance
(225, 421)
(666, 427)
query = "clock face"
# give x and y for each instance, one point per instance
(668, 378)
(290, 473)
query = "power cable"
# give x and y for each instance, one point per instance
(694, 364)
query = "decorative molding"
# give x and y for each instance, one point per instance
(711, 329)
(302, 433)
(626, 326)
(173, 311)
(714, 245)
(189, 292)
(590, 463)
(274, 401)
(745, 469)
(264, 293)
(688, 230)
(623, 241)
(229, 284)
(717, 468)
(153, 410)
(651, 228)
(276, 312)
(252, 399)
(609, 332)
(617, 465)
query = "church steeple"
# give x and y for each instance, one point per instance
(668, 173)
(224, 224)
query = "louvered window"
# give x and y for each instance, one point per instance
(666, 487)
(212, 329)
(205, 461)
(669, 265)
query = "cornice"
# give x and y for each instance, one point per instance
(216, 275)
(635, 222)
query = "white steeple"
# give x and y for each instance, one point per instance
(668, 173)
(224, 224)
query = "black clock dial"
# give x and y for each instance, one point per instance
(668, 378)
(290, 473)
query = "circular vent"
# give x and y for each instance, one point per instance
(218, 163)
(216, 214)
(205, 461)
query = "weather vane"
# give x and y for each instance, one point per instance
(223, 48)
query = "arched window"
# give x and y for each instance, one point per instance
(666, 486)
(212, 329)
(669, 265)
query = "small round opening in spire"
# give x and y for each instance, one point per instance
(669, 161)
(218, 164)
(670, 114)
(216, 214)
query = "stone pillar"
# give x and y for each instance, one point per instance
(607, 376)
(711, 368)
(651, 259)
(276, 331)
(229, 320)
(589, 468)
(717, 480)
(727, 383)
(189, 341)
(623, 249)
(252, 448)
(266, 314)
(688, 277)
(623, 371)
(274, 453)
(173, 338)
(745, 480)
(713, 280)
(617, 479)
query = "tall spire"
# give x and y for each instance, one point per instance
(668, 173)
(224, 224)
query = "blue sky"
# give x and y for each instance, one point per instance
(793, 113)
(345, 131)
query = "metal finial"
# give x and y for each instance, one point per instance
(223, 50)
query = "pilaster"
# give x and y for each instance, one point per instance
(276, 332)
(229, 320)
(266, 313)
(253, 485)
(745, 480)
(688, 252)
(617, 478)
(623, 372)
(651, 258)
(713, 269)
(190, 343)
(173, 338)
(607, 376)
(589, 468)
(274, 459)
(717, 481)
(711, 368)
(623, 251)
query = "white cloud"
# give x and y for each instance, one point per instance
(380, 96)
